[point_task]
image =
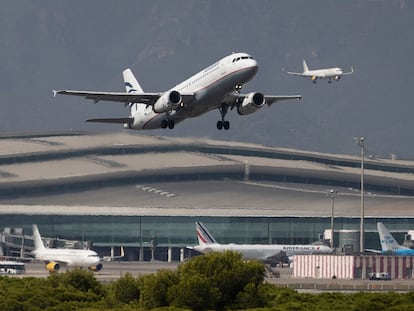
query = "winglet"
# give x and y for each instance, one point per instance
(54, 93)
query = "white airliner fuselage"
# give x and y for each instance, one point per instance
(263, 252)
(53, 257)
(71, 257)
(215, 87)
(329, 73)
(209, 86)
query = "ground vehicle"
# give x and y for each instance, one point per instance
(380, 276)
(12, 267)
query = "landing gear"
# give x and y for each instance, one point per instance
(222, 123)
(167, 123)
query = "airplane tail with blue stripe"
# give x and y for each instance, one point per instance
(203, 235)
(388, 243)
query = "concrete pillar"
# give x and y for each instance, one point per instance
(181, 254)
(169, 254)
(141, 253)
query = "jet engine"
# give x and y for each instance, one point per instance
(96, 268)
(251, 103)
(167, 102)
(52, 266)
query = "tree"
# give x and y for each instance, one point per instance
(125, 290)
(215, 281)
(154, 288)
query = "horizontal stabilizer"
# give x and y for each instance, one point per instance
(112, 120)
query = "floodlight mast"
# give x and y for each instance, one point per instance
(332, 194)
(361, 142)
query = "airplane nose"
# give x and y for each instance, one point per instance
(254, 66)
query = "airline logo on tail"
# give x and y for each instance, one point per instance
(204, 237)
(389, 244)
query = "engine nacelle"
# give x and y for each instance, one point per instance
(96, 268)
(251, 103)
(52, 266)
(167, 102)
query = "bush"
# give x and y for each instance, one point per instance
(154, 288)
(215, 281)
(125, 290)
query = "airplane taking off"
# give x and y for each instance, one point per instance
(262, 252)
(329, 73)
(389, 245)
(54, 257)
(215, 87)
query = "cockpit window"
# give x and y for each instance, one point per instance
(239, 58)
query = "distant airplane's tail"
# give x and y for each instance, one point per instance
(38, 243)
(388, 243)
(305, 67)
(204, 237)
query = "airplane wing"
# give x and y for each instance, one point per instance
(300, 74)
(122, 97)
(375, 251)
(271, 99)
(235, 98)
(349, 73)
(114, 258)
(112, 120)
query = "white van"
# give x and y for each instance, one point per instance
(380, 276)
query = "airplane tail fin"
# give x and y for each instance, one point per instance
(305, 66)
(38, 243)
(131, 83)
(204, 237)
(132, 86)
(388, 242)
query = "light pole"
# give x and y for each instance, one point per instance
(361, 142)
(332, 194)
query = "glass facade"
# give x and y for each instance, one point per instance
(178, 231)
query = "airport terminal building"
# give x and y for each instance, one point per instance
(146, 192)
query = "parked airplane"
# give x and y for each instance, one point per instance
(329, 73)
(215, 87)
(264, 252)
(389, 245)
(54, 257)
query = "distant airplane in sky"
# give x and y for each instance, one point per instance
(264, 252)
(328, 73)
(215, 87)
(54, 257)
(389, 245)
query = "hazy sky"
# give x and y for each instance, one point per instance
(85, 45)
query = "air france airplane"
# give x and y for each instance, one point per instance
(263, 252)
(215, 87)
(389, 245)
(329, 73)
(54, 257)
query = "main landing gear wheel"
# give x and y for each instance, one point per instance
(171, 124)
(223, 124)
(167, 123)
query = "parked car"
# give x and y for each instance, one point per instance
(380, 276)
